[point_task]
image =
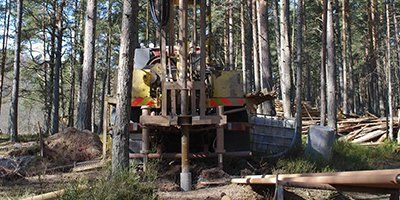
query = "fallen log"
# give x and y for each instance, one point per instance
(369, 136)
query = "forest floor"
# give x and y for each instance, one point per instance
(162, 179)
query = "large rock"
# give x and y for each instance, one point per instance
(72, 145)
(320, 142)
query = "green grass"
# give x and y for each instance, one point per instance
(346, 157)
(126, 185)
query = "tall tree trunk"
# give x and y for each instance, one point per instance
(129, 36)
(46, 87)
(388, 71)
(345, 5)
(226, 35)
(396, 37)
(275, 12)
(81, 44)
(330, 71)
(375, 103)
(230, 32)
(86, 92)
(338, 51)
(74, 41)
(57, 68)
(323, 65)
(13, 117)
(265, 60)
(7, 15)
(352, 88)
(246, 40)
(257, 85)
(52, 56)
(106, 73)
(299, 66)
(285, 59)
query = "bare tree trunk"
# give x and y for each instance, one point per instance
(57, 68)
(226, 36)
(275, 12)
(7, 15)
(285, 59)
(85, 98)
(47, 102)
(388, 72)
(323, 65)
(106, 73)
(129, 36)
(299, 66)
(81, 44)
(230, 32)
(330, 71)
(396, 34)
(345, 5)
(13, 117)
(352, 88)
(257, 85)
(265, 60)
(338, 55)
(71, 106)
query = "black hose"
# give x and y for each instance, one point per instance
(164, 18)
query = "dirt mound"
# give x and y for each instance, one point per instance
(236, 192)
(212, 177)
(72, 145)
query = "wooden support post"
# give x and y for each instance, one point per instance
(145, 138)
(202, 103)
(220, 139)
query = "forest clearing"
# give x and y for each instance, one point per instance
(199, 99)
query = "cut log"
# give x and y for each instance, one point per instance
(369, 136)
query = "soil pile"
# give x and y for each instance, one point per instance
(212, 177)
(72, 145)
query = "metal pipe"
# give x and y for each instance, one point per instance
(191, 155)
(346, 173)
(185, 176)
(375, 179)
(220, 138)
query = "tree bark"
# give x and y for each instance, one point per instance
(299, 66)
(246, 39)
(106, 73)
(129, 36)
(71, 106)
(285, 59)
(13, 117)
(388, 71)
(345, 5)
(7, 15)
(86, 92)
(57, 67)
(257, 85)
(323, 65)
(330, 71)
(265, 60)
(230, 32)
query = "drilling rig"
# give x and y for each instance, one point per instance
(183, 106)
